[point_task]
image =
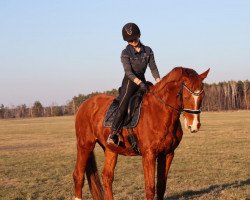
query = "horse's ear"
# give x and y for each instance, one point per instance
(204, 74)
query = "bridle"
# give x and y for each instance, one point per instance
(191, 111)
(180, 93)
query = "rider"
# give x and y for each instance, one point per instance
(135, 58)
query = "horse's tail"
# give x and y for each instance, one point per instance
(95, 185)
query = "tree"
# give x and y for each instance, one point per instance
(21, 111)
(2, 110)
(57, 111)
(233, 85)
(246, 91)
(37, 109)
(113, 92)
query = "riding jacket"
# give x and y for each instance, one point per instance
(135, 63)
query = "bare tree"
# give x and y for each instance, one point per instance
(2, 110)
(246, 88)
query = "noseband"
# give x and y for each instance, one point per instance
(180, 93)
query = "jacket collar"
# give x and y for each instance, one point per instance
(132, 50)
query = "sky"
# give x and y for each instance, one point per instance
(53, 50)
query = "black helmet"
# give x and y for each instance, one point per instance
(130, 31)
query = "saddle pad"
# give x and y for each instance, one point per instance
(110, 115)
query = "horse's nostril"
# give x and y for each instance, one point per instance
(189, 127)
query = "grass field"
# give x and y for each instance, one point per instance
(37, 157)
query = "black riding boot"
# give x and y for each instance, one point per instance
(116, 126)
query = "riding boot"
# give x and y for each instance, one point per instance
(113, 137)
(116, 127)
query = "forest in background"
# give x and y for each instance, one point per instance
(223, 96)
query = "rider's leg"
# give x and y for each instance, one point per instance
(127, 90)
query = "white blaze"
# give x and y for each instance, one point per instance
(194, 126)
(185, 122)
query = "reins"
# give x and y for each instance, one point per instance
(162, 101)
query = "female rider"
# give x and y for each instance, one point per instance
(135, 59)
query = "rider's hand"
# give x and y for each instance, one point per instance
(143, 88)
(158, 80)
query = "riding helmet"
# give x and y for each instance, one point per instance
(130, 31)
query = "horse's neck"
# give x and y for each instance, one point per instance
(165, 106)
(168, 93)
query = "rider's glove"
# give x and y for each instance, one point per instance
(143, 88)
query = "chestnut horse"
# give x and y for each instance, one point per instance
(158, 131)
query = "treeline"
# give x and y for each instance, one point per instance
(231, 95)
(38, 110)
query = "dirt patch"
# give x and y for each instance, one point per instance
(26, 146)
(5, 182)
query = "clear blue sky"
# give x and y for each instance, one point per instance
(53, 50)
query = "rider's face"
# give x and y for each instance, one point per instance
(134, 43)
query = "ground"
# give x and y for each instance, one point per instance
(38, 157)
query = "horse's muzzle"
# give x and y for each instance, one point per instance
(194, 129)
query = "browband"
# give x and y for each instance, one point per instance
(193, 93)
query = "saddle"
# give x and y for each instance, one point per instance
(133, 112)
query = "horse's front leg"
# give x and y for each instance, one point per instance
(148, 161)
(164, 163)
(108, 172)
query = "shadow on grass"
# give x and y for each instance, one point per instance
(212, 188)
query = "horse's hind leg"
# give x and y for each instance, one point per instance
(80, 167)
(108, 172)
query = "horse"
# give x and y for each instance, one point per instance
(159, 132)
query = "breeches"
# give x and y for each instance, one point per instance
(126, 91)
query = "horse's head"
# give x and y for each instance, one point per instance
(188, 85)
(192, 94)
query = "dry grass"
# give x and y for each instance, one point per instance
(38, 157)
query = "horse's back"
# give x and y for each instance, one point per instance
(93, 106)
